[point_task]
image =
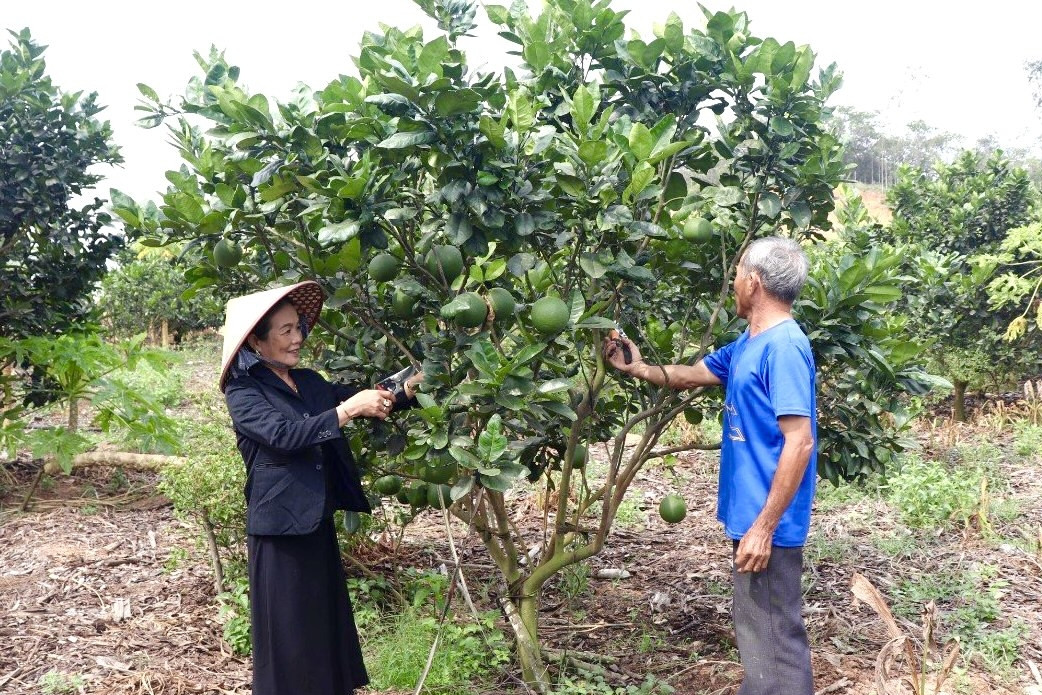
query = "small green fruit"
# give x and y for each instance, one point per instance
(403, 304)
(388, 485)
(672, 508)
(579, 456)
(444, 260)
(384, 267)
(227, 253)
(698, 229)
(440, 472)
(549, 315)
(475, 313)
(439, 496)
(418, 495)
(503, 304)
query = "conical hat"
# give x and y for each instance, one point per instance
(243, 313)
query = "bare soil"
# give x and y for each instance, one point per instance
(108, 585)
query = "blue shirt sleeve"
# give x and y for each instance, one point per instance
(719, 362)
(790, 379)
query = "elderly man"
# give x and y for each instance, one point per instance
(767, 460)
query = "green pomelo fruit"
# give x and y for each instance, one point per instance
(403, 304)
(384, 267)
(440, 472)
(439, 496)
(227, 254)
(698, 229)
(549, 315)
(418, 495)
(672, 508)
(503, 304)
(475, 312)
(445, 260)
(579, 456)
(388, 485)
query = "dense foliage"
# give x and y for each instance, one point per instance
(614, 181)
(147, 290)
(944, 217)
(54, 247)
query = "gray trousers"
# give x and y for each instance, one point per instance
(772, 639)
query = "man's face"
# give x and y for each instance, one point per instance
(744, 283)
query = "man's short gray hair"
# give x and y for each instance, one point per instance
(781, 265)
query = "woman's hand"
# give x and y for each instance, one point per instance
(368, 403)
(412, 385)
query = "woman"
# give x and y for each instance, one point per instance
(298, 471)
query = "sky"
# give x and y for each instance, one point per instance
(958, 65)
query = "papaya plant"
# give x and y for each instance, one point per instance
(525, 214)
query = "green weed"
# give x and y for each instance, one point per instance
(629, 514)
(970, 603)
(467, 653)
(235, 615)
(927, 494)
(1027, 441)
(58, 683)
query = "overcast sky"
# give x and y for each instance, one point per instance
(957, 65)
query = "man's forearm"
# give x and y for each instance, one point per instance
(676, 376)
(792, 464)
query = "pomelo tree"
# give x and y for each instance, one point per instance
(951, 214)
(526, 214)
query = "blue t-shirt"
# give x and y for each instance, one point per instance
(765, 377)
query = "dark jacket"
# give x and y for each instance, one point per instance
(286, 440)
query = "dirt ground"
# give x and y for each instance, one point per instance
(108, 586)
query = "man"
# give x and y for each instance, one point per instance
(767, 460)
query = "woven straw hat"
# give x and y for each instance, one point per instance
(243, 313)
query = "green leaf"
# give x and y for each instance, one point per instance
(591, 266)
(571, 185)
(408, 139)
(521, 111)
(583, 107)
(642, 175)
(339, 232)
(769, 205)
(801, 214)
(492, 444)
(728, 196)
(641, 141)
(537, 54)
(593, 152)
(883, 294)
(460, 101)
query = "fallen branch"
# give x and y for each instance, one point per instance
(141, 462)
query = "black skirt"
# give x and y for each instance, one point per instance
(303, 630)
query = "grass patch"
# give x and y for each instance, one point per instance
(467, 653)
(970, 603)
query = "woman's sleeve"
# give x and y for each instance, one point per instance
(343, 391)
(254, 416)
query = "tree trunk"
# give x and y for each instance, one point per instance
(166, 334)
(959, 402)
(146, 462)
(74, 414)
(525, 625)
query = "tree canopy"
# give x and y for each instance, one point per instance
(53, 248)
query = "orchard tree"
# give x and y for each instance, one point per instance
(948, 216)
(147, 292)
(1019, 285)
(495, 227)
(54, 248)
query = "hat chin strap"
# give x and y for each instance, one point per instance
(271, 363)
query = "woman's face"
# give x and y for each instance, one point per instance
(284, 339)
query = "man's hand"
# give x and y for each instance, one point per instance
(615, 353)
(754, 551)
